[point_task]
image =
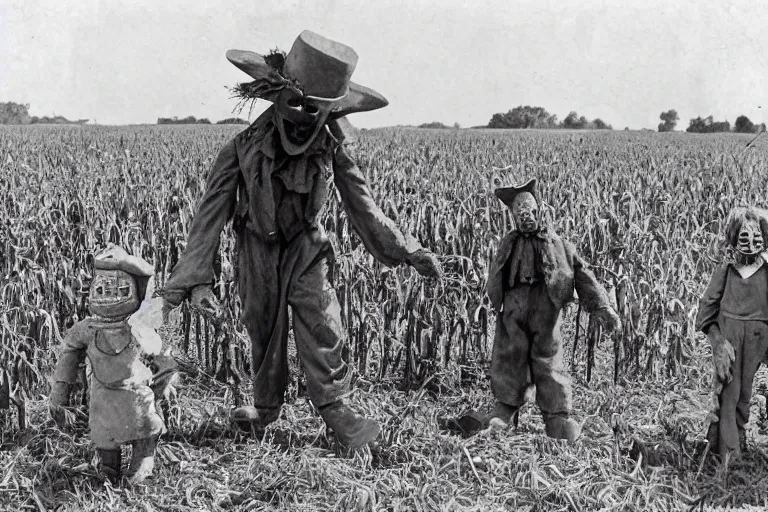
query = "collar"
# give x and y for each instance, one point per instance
(541, 234)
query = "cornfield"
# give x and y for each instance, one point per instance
(643, 209)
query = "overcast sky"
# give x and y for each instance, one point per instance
(132, 61)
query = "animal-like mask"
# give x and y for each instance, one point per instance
(113, 294)
(299, 119)
(525, 211)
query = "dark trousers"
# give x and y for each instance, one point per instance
(750, 343)
(271, 277)
(527, 351)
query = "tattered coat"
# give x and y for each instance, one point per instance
(122, 401)
(564, 270)
(283, 252)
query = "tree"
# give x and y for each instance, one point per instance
(573, 122)
(524, 117)
(707, 125)
(599, 124)
(233, 120)
(744, 125)
(14, 113)
(670, 119)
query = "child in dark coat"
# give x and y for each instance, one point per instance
(733, 313)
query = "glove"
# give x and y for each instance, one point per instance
(723, 354)
(206, 302)
(172, 300)
(164, 384)
(608, 318)
(425, 262)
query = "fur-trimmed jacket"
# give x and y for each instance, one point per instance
(564, 270)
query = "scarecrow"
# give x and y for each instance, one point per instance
(531, 278)
(118, 339)
(272, 179)
(733, 313)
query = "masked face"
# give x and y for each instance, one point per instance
(525, 211)
(299, 120)
(113, 293)
(750, 241)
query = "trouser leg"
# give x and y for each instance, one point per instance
(553, 385)
(265, 316)
(725, 432)
(320, 336)
(142, 459)
(110, 460)
(321, 342)
(510, 358)
(755, 347)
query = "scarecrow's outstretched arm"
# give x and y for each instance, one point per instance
(195, 267)
(592, 295)
(381, 236)
(709, 305)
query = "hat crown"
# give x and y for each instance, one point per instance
(322, 67)
(508, 194)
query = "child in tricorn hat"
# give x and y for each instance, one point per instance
(531, 278)
(118, 338)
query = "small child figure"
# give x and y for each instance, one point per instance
(733, 313)
(532, 276)
(118, 338)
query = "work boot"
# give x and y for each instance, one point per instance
(251, 418)
(502, 414)
(352, 430)
(466, 425)
(109, 463)
(142, 459)
(560, 426)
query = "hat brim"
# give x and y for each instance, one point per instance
(358, 99)
(508, 194)
(116, 258)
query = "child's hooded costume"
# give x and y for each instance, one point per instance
(273, 180)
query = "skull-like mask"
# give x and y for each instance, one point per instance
(299, 119)
(525, 211)
(750, 242)
(113, 293)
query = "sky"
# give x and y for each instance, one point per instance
(452, 61)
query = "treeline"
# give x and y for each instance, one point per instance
(193, 120)
(18, 113)
(708, 124)
(440, 126)
(527, 117)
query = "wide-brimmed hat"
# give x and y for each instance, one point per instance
(321, 69)
(508, 194)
